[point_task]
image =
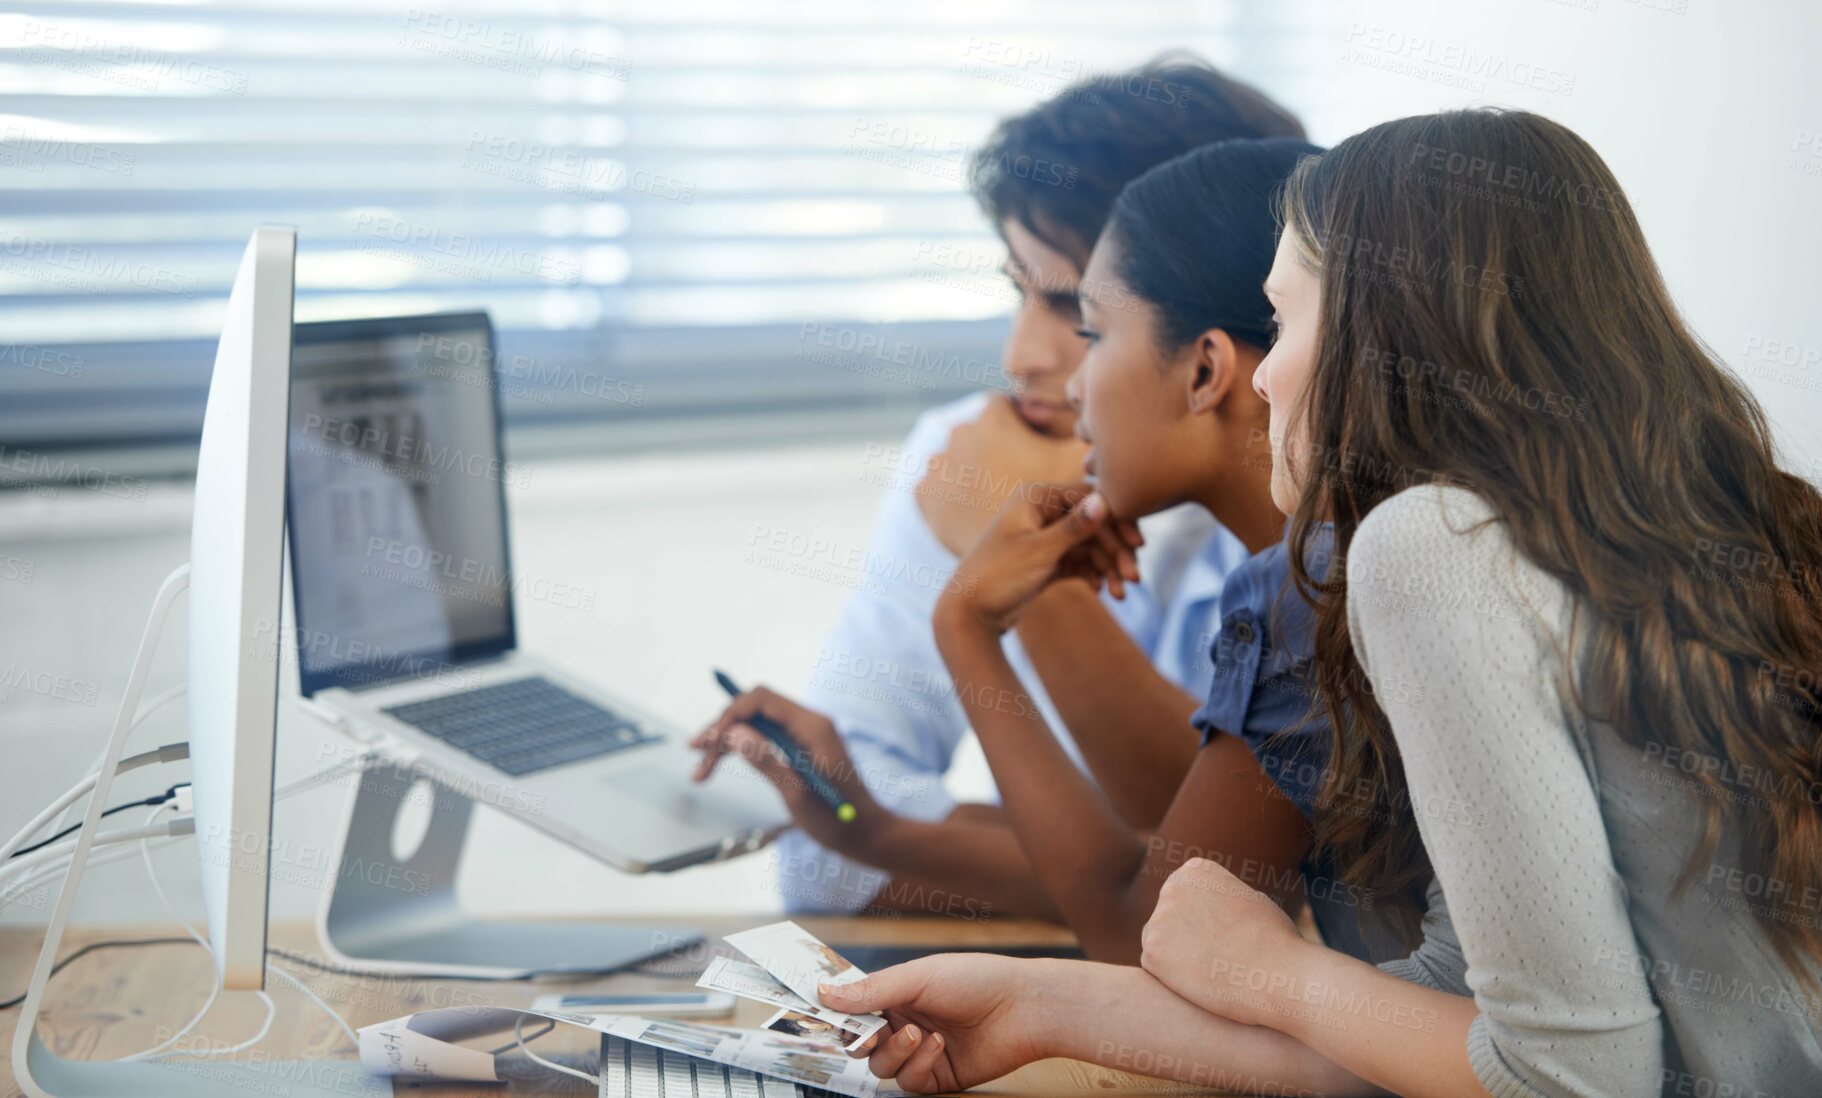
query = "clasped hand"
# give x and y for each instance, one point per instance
(1043, 534)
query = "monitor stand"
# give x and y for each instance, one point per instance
(387, 914)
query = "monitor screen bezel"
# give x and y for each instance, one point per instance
(358, 676)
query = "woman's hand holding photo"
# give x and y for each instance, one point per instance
(956, 1020)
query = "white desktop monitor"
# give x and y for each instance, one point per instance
(237, 540)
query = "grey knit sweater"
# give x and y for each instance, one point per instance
(1556, 844)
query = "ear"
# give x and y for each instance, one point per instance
(1213, 366)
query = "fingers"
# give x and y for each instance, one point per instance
(1052, 501)
(860, 997)
(921, 1071)
(889, 1057)
(711, 741)
(911, 1053)
(1078, 524)
(1091, 546)
(806, 726)
(1121, 563)
(759, 753)
(1102, 561)
(892, 987)
(733, 731)
(895, 1021)
(743, 707)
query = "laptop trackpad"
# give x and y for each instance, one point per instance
(659, 789)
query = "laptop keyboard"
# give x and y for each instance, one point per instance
(524, 726)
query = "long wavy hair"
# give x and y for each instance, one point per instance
(1491, 318)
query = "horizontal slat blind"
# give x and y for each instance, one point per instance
(732, 205)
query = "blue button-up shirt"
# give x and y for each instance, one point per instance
(1264, 690)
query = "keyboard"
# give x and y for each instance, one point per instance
(524, 725)
(633, 1070)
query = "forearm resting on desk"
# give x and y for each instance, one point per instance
(1409, 1038)
(958, 1020)
(1124, 1018)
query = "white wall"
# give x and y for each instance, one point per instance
(1708, 111)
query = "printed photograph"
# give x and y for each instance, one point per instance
(792, 1024)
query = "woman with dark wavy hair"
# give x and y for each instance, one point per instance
(1604, 811)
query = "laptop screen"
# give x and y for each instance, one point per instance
(396, 502)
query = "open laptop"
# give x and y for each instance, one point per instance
(404, 597)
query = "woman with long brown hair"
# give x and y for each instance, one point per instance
(1601, 815)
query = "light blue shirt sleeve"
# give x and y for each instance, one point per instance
(878, 676)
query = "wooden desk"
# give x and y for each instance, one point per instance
(118, 1001)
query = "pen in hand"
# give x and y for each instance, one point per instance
(800, 762)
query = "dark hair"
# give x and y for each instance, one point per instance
(1196, 236)
(1057, 168)
(1535, 286)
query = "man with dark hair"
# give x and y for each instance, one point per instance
(1047, 179)
(1100, 131)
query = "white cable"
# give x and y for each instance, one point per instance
(62, 849)
(145, 852)
(159, 700)
(321, 776)
(205, 1053)
(13, 892)
(36, 824)
(169, 693)
(41, 865)
(518, 1036)
(170, 752)
(272, 967)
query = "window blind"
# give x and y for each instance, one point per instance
(671, 209)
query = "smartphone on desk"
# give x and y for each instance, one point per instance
(688, 1004)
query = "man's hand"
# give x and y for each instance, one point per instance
(956, 1019)
(730, 733)
(1043, 534)
(984, 460)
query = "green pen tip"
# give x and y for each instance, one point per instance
(845, 813)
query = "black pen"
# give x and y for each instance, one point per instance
(800, 761)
